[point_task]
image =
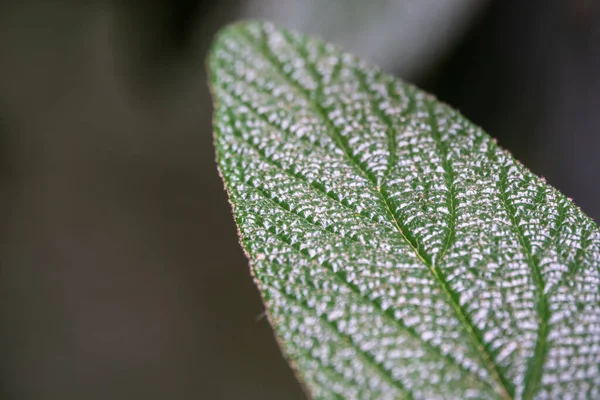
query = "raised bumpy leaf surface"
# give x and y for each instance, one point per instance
(400, 252)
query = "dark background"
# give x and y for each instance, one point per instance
(120, 272)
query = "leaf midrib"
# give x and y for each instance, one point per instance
(315, 188)
(503, 387)
(387, 313)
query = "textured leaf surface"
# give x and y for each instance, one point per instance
(401, 253)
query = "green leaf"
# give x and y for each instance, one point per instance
(400, 252)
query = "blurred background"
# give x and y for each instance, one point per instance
(120, 272)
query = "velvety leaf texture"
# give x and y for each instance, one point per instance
(400, 252)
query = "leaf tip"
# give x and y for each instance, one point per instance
(233, 29)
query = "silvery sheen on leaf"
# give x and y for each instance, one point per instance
(400, 252)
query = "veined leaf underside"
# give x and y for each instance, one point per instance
(400, 251)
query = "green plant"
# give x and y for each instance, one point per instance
(400, 252)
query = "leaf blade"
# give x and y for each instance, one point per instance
(404, 179)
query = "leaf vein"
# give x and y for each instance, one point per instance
(392, 130)
(347, 339)
(533, 373)
(314, 185)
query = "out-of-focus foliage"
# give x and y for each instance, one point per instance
(403, 36)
